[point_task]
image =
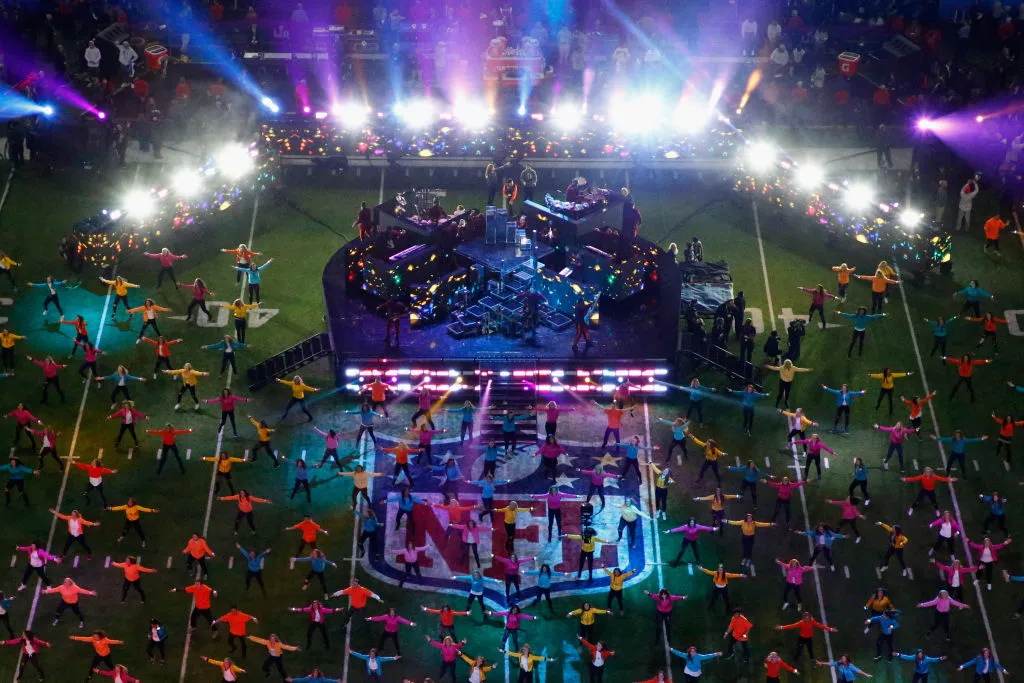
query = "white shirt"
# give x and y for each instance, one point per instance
(35, 560)
(748, 28)
(30, 649)
(229, 675)
(986, 555)
(475, 675)
(75, 527)
(820, 36)
(47, 441)
(95, 481)
(154, 634)
(620, 57)
(780, 56)
(798, 54)
(598, 658)
(946, 530)
(565, 37)
(93, 56)
(967, 198)
(955, 581)
(126, 55)
(371, 664)
(774, 31)
(129, 417)
(818, 78)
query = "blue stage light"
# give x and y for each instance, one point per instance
(270, 104)
(47, 110)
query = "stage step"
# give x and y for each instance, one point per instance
(288, 361)
(720, 360)
(514, 394)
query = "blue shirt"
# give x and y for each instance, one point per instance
(487, 487)
(543, 580)
(974, 293)
(957, 445)
(451, 472)
(995, 506)
(693, 664)
(982, 665)
(365, 416)
(467, 413)
(860, 473)
(749, 475)
(254, 563)
(253, 273)
(678, 431)
(370, 524)
(846, 672)
(18, 472)
(405, 504)
(921, 666)
(316, 679)
(476, 585)
(748, 398)
(491, 453)
(223, 346)
(697, 393)
(887, 624)
(301, 474)
(319, 563)
(826, 539)
(633, 452)
(861, 320)
(844, 399)
(366, 658)
(943, 329)
(508, 422)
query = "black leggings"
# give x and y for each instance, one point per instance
(39, 571)
(791, 588)
(156, 645)
(301, 484)
(80, 540)
(129, 428)
(52, 299)
(857, 339)
(197, 303)
(821, 314)
(73, 606)
(277, 662)
(247, 516)
(146, 324)
(965, 381)
(884, 393)
(165, 452)
(169, 272)
(191, 389)
(226, 415)
(301, 402)
(784, 389)
(898, 552)
(137, 585)
(862, 485)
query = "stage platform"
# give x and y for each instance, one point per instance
(501, 258)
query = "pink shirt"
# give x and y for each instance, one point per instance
(554, 500)
(849, 511)
(469, 535)
(815, 447)
(227, 403)
(427, 435)
(332, 441)
(980, 547)
(198, 292)
(942, 604)
(512, 620)
(597, 479)
(316, 615)
(795, 575)
(785, 490)
(448, 651)
(664, 604)
(896, 435)
(690, 533)
(510, 566)
(22, 416)
(410, 555)
(424, 400)
(551, 414)
(391, 623)
(166, 260)
(50, 368)
(550, 450)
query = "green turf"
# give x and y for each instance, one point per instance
(38, 213)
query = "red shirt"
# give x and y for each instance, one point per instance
(842, 97)
(1006, 30)
(183, 91)
(799, 94)
(927, 481)
(806, 627)
(216, 11)
(141, 88)
(882, 97)
(168, 434)
(776, 666)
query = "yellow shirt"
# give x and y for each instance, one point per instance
(224, 465)
(273, 648)
(7, 339)
(876, 605)
(786, 374)
(298, 390)
(711, 453)
(264, 432)
(525, 662)
(748, 528)
(804, 421)
(716, 504)
(242, 310)
(7, 262)
(188, 377)
(587, 616)
(887, 381)
(723, 580)
(660, 481)
(131, 512)
(119, 289)
(360, 479)
(472, 662)
(897, 542)
(587, 547)
(617, 581)
(510, 513)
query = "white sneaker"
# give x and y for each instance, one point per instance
(154, 375)
(910, 512)
(833, 568)
(197, 407)
(785, 606)
(858, 540)
(113, 405)
(799, 607)
(931, 551)
(884, 569)
(989, 586)
(177, 405)
(866, 629)
(903, 573)
(867, 502)
(885, 466)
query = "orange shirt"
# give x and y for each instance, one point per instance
(131, 571)
(68, 594)
(402, 452)
(202, 595)
(1006, 429)
(927, 481)
(378, 391)
(80, 325)
(308, 529)
(245, 504)
(843, 275)
(358, 595)
(198, 548)
(993, 226)
(966, 369)
(740, 626)
(614, 417)
(101, 645)
(989, 324)
(168, 434)
(915, 409)
(236, 622)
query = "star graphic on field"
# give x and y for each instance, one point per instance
(612, 483)
(449, 455)
(609, 460)
(564, 480)
(566, 459)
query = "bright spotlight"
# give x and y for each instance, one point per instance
(186, 183)
(691, 117)
(644, 114)
(925, 124)
(306, 109)
(351, 114)
(521, 111)
(473, 115)
(809, 176)
(761, 156)
(979, 118)
(234, 161)
(859, 196)
(47, 110)
(416, 114)
(139, 204)
(910, 218)
(101, 115)
(270, 104)
(567, 117)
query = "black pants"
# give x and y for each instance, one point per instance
(197, 303)
(164, 361)
(240, 326)
(191, 389)
(723, 594)
(169, 272)
(81, 339)
(448, 667)
(257, 576)
(165, 452)
(966, 381)
(595, 488)
(277, 662)
(784, 389)
(554, 516)
(7, 358)
(26, 429)
(630, 528)
(265, 446)
(88, 369)
(746, 351)
(884, 393)
(130, 524)
(137, 585)
(302, 484)
(5, 618)
(32, 659)
(247, 516)
(301, 402)
(744, 645)
(812, 460)
(156, 645)
(231, 643)
(940, 539)
(51, 382)
(52, 299)
(367, 429)
(999, 520)
(226, 477)
(821, 314)
(146, 324)
(713, 466)
(682, 551)
(73, 606)
(227, 359)
(877, 302)
(226, 415)
(80, 540)
(191, 563)
(857, 339)
(802, 643)
(939, 345)
(748, 418)
(791, 588)
(423, 412)
(698, 406)
(925, 494)
(205, 614)
(18, 484)
(313, 628)
(39, 571)
(898, 552)
(319, 576)
(596, 674)
(940, 619)
(661, 500)
(126, 427)
(413, 568)
(844, 412)
(118, 299)
(676, 442)
(822, 550)
(782, 504)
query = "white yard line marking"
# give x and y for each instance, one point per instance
(106, 562)
(942, 454)
(188, 454)
(976, 468)
(916, 466)
(689, 568)
(7, 189)
(170, 559)
(796, 461)
(303, 456)
(679, 460)
(231, 562)
(655, 532)
(737, 461)
(381, 185)
(910, 573)
(131, 452)
(291, 563)
(14, 560)
(846, 571)
(368, 455)
(217, 449)
(767, 463)
(824, 461)
(67, 470)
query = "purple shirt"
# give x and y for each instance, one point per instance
(554, 500)
(690, 533)
(332, 441)
(512, 620)
(391, 623)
